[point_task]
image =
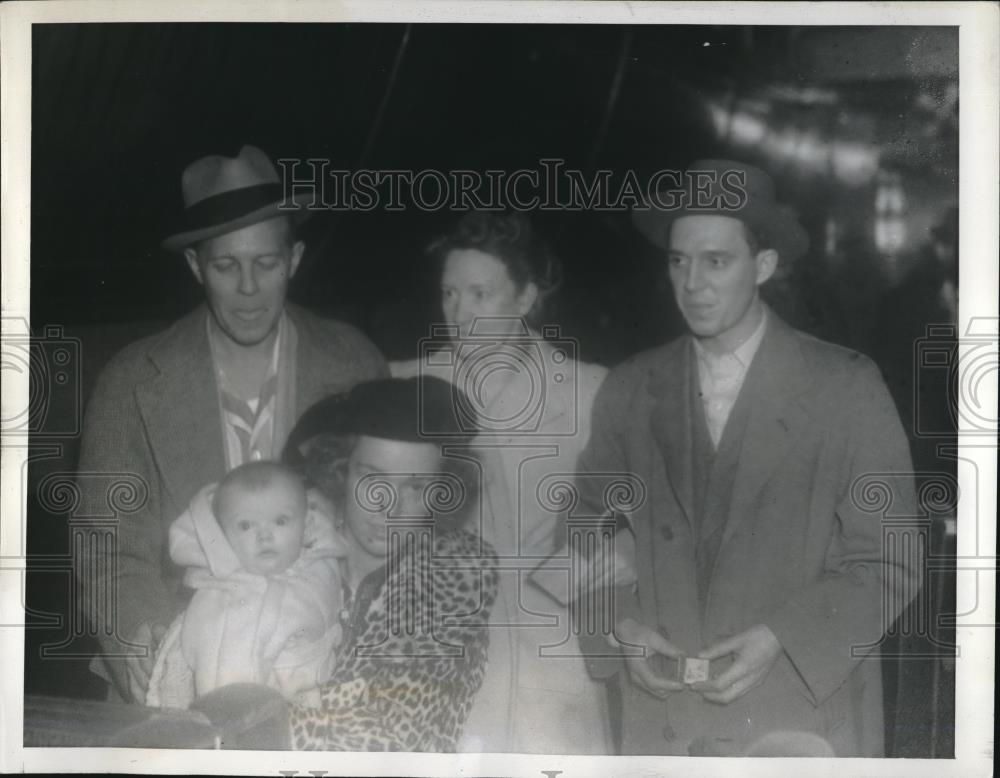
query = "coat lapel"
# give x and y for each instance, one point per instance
(671, 428)
(180, 408)
(773, 416)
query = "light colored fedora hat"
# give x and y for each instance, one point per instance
(222, 194)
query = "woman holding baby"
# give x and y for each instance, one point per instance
(344, 578)
(419, 585)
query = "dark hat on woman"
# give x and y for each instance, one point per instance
(723, 187)
(223, 194)
(415, 410)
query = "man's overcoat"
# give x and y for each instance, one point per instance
(797, 522)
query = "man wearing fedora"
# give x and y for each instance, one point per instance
(755, 553)
(223, 385)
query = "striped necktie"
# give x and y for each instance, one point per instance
(252, 423)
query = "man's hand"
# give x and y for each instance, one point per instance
(139, 668)
(630, 631)
(754, 652)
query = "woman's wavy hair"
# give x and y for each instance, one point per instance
(510, 237)
(322, 462)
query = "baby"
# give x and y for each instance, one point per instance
(261, 556)
(261, 508)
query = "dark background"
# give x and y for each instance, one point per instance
(834, 112)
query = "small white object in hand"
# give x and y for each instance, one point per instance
(695, 670)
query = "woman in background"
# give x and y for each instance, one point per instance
(533, 400)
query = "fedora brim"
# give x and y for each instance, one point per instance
(181, 240)
(776, 224)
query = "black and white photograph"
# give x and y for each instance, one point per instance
(499, 389)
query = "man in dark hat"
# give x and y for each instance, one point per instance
(222, 386)
(762, 580)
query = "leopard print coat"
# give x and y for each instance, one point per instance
(415, 652)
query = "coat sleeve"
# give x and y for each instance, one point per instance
(416, 700)
(120, 569)
(605, 453)
(829, 627)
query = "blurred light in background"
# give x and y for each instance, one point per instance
(811, 148)
(831, 236)
(890, 213)
(854, 163)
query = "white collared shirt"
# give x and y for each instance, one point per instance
(721, 378)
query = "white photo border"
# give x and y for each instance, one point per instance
(979, 206)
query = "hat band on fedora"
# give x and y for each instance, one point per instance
(229, 206)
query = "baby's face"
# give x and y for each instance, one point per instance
(265, 527)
